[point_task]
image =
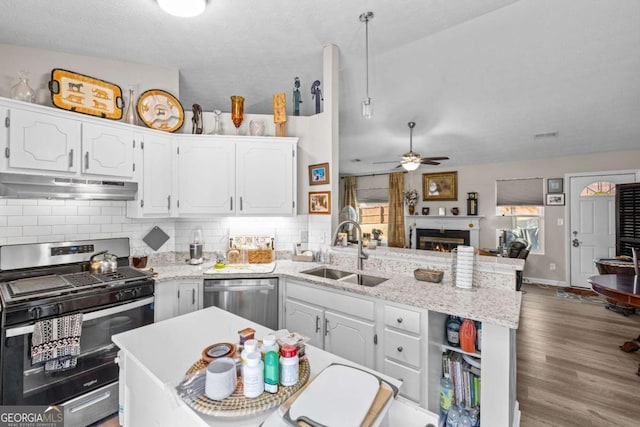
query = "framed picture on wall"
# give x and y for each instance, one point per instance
(555, 185)
(440, 186)
(555, 199)
(319, 174)
(320, 202)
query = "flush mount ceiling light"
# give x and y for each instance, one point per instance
(410, 161)
(367, 107)
(183, 8)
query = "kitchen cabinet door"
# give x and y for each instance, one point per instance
(265, 174)
(350, 338)
(165, 304)
(189, 297)
(306, 320)
(107, 150)
(206, 176)
(42, 142)
(155, 197)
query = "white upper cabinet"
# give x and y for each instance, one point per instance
(155, 190)
(42, 142)
(206, 176)
(107, 150)
(266, 173)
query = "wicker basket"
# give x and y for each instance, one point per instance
(426, 275)
(260, 256)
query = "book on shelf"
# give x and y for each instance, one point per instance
(465, 379)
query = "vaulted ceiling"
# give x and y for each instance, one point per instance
(481, 78)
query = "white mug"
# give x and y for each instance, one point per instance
(221, 378)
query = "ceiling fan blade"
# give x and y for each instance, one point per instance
(435, 158)
(429, 162)
(380, 163)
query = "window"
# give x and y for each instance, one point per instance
(372, 192)
(521, 202)
(599, 189)
(527, 222)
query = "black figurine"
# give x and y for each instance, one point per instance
(317, 94)
(296, 97)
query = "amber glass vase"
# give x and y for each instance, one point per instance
(237, 112)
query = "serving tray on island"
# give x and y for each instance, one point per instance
(237, 405)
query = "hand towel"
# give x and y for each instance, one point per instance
(57, 342)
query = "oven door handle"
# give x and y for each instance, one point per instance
(24, 330)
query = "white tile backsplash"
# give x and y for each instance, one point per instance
(31, 221)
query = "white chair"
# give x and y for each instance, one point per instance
(636, 255)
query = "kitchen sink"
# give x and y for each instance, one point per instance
(364, 280)
(327, 273)
(345, 276)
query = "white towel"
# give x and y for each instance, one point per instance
(57, 342)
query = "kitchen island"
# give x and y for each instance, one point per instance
(399, 324)
(154, 359)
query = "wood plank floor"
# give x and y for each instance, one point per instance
(570, 369)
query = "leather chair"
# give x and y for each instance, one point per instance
(518, 248)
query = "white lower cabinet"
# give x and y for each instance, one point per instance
(346, 329)
(177, 297)
(404, 355)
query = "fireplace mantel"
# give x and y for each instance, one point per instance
(460, 222)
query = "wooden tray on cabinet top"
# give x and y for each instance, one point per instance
(83, 94)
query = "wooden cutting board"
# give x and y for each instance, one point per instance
(339, 396)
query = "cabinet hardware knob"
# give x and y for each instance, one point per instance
(326, 327)
(399, 319)
(400, 349)
(317, 324)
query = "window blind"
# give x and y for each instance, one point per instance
(627, 218)
(520, 192)
(372, 188)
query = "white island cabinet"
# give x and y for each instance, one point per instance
(154, 358)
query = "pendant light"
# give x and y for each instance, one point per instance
(183, 8)
(367, 107)
(410, 161)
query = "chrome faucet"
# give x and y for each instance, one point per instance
(361, 254)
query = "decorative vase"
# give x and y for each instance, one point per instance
(22, 91)
(412, 209)
(217, 128)
(455, 211)
(130, 115)
(256, 128)
(237, 112)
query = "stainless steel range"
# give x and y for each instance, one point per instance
(46, 284)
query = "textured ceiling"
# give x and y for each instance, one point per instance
(479, 77)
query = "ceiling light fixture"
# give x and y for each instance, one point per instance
(183, 8)
(411, 161)
(367, 107)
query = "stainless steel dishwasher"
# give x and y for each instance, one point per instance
(251, 298)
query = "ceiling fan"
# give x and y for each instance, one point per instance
(411, 160)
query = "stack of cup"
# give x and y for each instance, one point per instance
(464, 267)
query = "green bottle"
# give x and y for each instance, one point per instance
(271, 372)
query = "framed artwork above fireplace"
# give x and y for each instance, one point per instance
(440, 186)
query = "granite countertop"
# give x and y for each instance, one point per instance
(497, 306)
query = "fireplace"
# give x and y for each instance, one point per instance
(470, 225)
(441, 240)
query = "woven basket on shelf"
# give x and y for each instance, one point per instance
(426, 275)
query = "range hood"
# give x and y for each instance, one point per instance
(24, 186)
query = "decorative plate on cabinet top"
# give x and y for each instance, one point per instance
(160, 110)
